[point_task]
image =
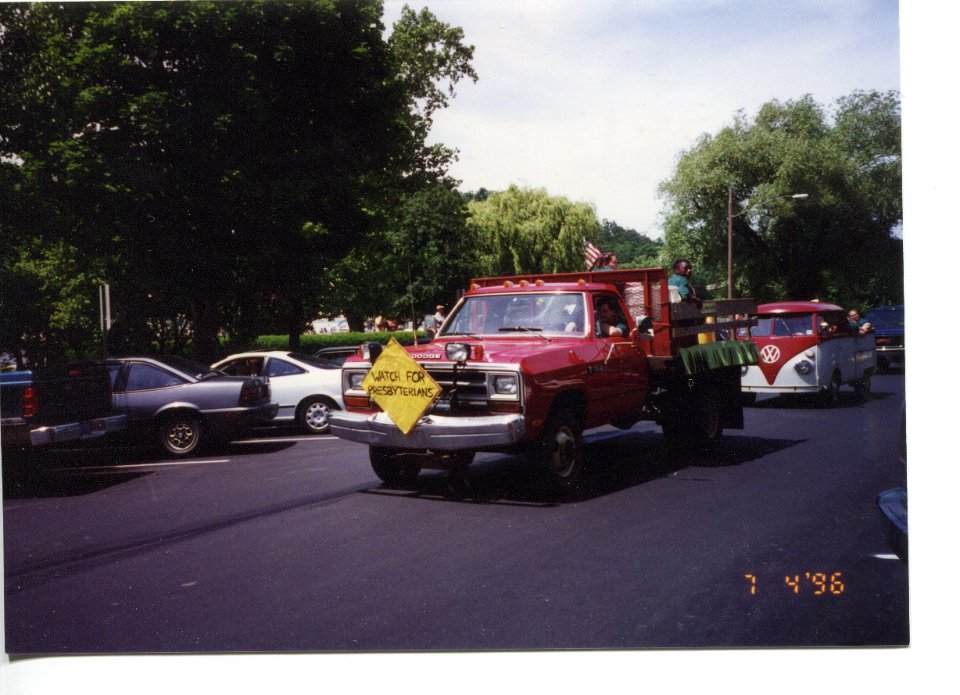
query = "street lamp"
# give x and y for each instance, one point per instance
(730, 216)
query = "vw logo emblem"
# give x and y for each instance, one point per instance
(770, 354)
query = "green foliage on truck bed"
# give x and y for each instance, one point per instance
(701, 358)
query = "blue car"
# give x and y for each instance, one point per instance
(888, 328)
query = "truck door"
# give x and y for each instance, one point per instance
(617, 371)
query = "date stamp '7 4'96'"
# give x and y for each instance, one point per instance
(812, 583)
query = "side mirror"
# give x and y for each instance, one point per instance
(644, 327)
(371, 351)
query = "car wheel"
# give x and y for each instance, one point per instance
(180, 435)
(313, 416)
(561, 455)
(393, 467)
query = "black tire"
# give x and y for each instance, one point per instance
(707, 419)
(180, 434)
(561, 450)
(831, 396)
(313, 415)
(393, 467)
(862, 387)
(699, 426)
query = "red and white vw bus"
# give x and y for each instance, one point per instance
(808, 348)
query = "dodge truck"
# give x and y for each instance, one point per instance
(526, 364)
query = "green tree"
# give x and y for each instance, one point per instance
(837, 244)
(219, 155)
(633, 250)
(421, 260)
(523, 231)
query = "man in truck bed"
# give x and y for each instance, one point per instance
(513, 378)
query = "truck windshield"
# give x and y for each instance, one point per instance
(544, 313)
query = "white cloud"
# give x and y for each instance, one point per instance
(596, 100)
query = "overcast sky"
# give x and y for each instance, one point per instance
(595, 100)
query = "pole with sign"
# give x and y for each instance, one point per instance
(104, 314)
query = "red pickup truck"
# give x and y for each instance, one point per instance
(526, 364)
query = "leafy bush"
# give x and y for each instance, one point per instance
(310, 343)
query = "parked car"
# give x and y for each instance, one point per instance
(892, 503)
(306, 388)
(336, 355)
(14, 430)
(888, 328)
(182, 403)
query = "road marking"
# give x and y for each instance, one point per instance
(269, 440)
(885, 556)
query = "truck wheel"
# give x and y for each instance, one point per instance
(699, 426)
(392, 467)
(313, 415)
(707, 422)
(561, 455)
(180, 435)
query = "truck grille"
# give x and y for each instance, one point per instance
(471, 385)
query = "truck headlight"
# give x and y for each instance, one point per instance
(505, 384)
(354, 380)
(803, 367)
(458, 352)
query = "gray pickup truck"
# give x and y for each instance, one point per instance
(54, 406)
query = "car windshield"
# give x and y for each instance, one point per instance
(886, 318)
(189, 367)
(543, 313)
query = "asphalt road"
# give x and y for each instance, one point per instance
(290, 543)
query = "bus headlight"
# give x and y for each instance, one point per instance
(803, 367)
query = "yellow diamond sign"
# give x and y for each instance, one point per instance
(400, 386)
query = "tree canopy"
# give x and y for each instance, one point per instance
(838, 243)
(212, 156)
(523, 230)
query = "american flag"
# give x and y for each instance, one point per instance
(591, 254)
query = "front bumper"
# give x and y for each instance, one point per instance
(89, 429)
(434, 432)
(891, 355)
(808, 388)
